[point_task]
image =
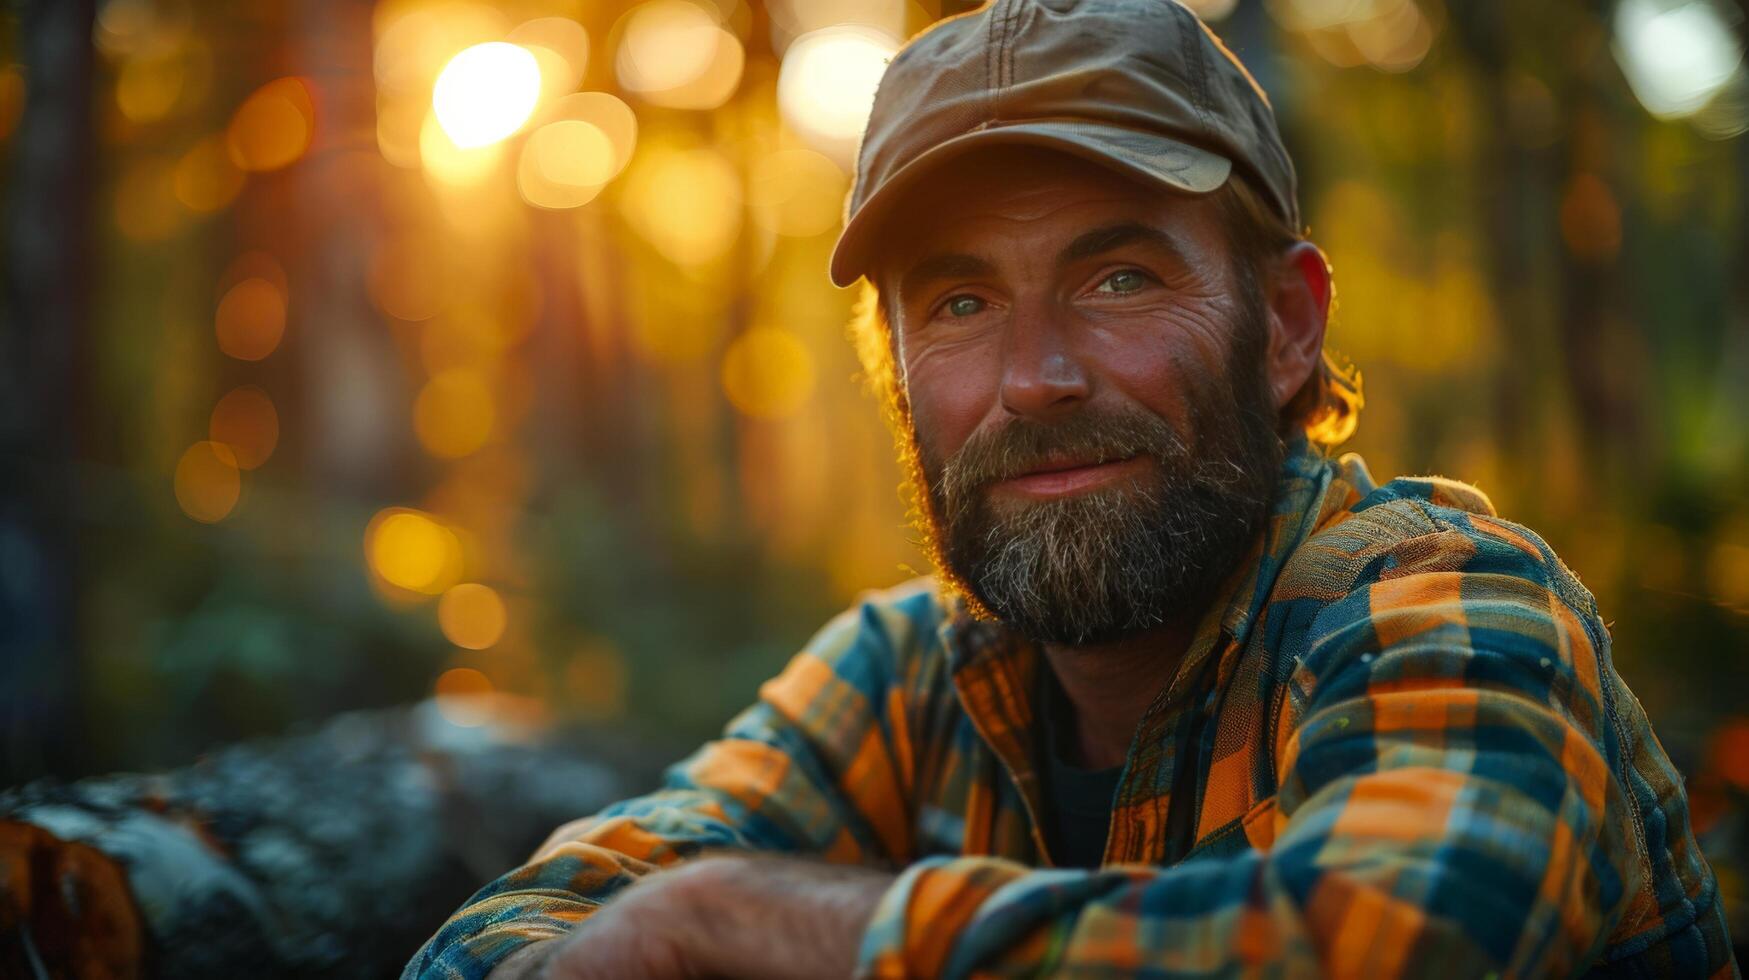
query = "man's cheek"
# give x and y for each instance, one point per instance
(955, 385)
(1165, 365)
(933, 421)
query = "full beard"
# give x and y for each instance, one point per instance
(1102, 565)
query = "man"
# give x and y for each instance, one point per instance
(1186, 695)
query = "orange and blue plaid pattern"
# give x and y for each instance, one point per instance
(1396, 746)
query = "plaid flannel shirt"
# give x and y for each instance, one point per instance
(1396, 746)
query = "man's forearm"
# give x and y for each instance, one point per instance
(739, 916)
(781, 918)
(526, 963)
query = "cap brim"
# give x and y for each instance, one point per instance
(1148, 156)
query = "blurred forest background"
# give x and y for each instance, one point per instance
(357, 353)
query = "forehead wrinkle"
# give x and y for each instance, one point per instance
(1026, 204)
(1118, 235)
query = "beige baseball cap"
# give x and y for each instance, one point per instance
(1141, 86)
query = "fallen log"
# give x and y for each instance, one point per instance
(332, 854)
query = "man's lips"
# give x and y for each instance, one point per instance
(1068, 476)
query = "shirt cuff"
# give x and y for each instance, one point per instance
(473, 944)
(926, 912)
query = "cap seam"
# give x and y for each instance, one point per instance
(1004, 47)
(1199, 71)
(1003, 78)
(991, 27)
(1015, 26)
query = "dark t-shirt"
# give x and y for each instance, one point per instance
(1077, 802)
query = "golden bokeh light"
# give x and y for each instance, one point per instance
(400, 122)
(1389, 35)
(714, 86)
(451, 165)
(791, 19)
(556, 77)
(826, 85)
(207, 482)
(454, 414)
(666, 45)
(251, 319)
(564, 164)
(768, 373)
(415, 39)
(485, 93)
(125, 26)
(612, 117)
(408, 278)
(412, 550)
(206, 179)
(471, 615)
(796, 192)
(148, 86)
(464, 697)
(246, 421)
(674, 53)
(1319, 15)
(560, 47)
(685, 203)
(1395, 40)
(273, 127)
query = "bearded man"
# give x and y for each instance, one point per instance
(1186, 695)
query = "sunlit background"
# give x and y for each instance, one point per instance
(364, 353)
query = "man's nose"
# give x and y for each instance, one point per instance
(1042, 375)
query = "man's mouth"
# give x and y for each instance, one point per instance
(1069, 475)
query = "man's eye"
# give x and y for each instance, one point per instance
(965, 305)
(1123, 281)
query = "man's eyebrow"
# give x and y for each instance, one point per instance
(959, 265)
(1102, 240)
(947, 265)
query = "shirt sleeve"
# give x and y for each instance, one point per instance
(1446, 805)
(817, 765)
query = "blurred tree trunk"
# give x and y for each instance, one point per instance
(1592, 286)
(1505, 175)
(1523, 184)
(42, 329)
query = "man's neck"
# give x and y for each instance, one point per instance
(1111, 685)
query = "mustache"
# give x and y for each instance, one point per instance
(1024, 445)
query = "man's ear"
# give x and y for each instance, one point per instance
(1298, 294)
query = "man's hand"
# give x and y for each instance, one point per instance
(735, 916)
